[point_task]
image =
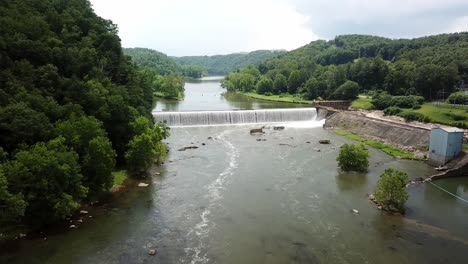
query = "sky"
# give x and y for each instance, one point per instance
(210, 27)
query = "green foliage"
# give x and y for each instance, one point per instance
(347, 91)
(362, 103)
(155, 60)
(265, 85)
(280, 84)
(119, 177)
(383, 100)
(67, 97)
(391, 193)
(146, 147)
(12, 206)
(48, 176)
(194, 71)
(353, 157)
(429, 66)
(457, 98)
(224, 64)
(392, 110)
(414, 116)
(392, 151)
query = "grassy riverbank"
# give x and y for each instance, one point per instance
(392, 151)
(286, 98)
(444, 115)
(180, 97)
(362, 103)
(120, 177)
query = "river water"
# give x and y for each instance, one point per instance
(279, 200)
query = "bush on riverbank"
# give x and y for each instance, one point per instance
(353, 157)
(391, 193)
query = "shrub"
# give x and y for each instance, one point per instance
(381, 101)
(416, 107)
(391, 192)
(353, 157)
(414, 116)
(393, 110)
(457, 98)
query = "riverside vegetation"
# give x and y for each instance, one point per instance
(348, 65)
(73, 107)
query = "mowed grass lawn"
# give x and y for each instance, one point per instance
(444, 115)
(279, 98)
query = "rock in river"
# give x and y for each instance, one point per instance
(189, 147)
(324, 141)
(152, 252)
(142, 184)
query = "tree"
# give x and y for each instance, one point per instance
(295, 81)
(146, 148)
(98, 164)
(12, 206)
(280, 84)
(48, 176)
(353, 157)
(347, 91)
(312, 88)
(391, 193)
(265, 85)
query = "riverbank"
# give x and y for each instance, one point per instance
(392, 151)
(284, 98)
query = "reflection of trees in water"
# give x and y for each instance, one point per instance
(238, 101)
(351, 181)
(167, 105)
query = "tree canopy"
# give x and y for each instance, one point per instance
(68, 98)
(431, 66)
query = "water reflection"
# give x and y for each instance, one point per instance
(207, 94)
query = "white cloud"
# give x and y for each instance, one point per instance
(460, 25)
(207, 27)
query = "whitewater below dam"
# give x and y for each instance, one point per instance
(276, 197)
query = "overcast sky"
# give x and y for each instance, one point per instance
(208, 27)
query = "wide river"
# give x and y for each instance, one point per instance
(278, 200)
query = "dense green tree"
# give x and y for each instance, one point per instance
(353, 157)
(224, 64)
(265, 85)
(12, 206)
(98, 164)
(295, 80)
(48, 176)
(312, 88)
(280, 84)
(391, 191)
(347, 91)
(429, 66)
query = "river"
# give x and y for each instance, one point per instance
(278, 200)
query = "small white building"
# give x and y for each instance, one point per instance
(445, 144)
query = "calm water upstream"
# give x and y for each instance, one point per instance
(239, 200)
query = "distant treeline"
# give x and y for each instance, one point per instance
(224, 64)
(343, 67)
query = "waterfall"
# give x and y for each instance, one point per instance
(200, 118)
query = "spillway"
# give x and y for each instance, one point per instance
(206, 118)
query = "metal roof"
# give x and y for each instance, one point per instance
(451, 129)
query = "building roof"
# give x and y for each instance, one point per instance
(451, 129)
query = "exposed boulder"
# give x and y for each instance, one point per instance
(256, 131)
(188, 147)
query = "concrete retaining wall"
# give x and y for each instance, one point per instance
(391, 133)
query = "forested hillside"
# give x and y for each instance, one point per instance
(341, 68)
(223, 64)
(158, 61)
(72, 107)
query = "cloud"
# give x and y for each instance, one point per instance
(207, 27)
(396, 19)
